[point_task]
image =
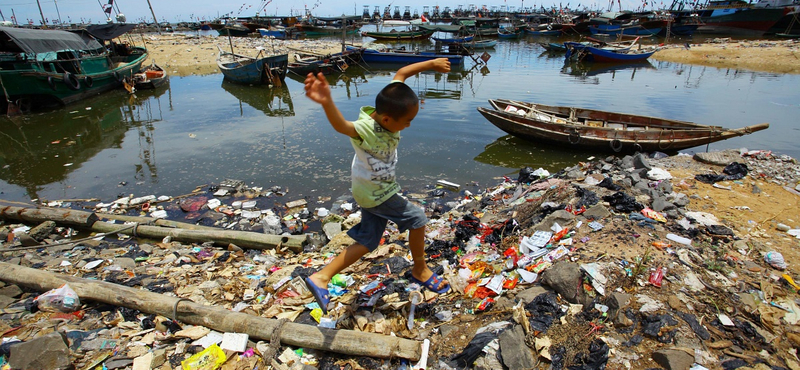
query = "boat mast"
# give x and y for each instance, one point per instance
(59, 13)
(158, 27)
(44, 23)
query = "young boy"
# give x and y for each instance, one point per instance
(375, 136)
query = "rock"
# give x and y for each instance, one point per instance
(719, 158)
(665, 187)
(126, 263)
(527, 295)
(561, 216)
(11, 291)
(640, 161)
(597, 212)
(147, 248)
(332, 229)
(42, 231)
(680, 200)
(26, 241)
(6, 301)
(563, 277)
(627, 162)
(574, 174)
(446, 330)
(46, 352)
(143, 362)
(660, 204)
(673, 359)
(513, 351)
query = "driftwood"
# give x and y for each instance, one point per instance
(347, 342)
(89, 220)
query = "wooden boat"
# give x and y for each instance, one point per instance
(150, 77)
(398, 35)
(304, 64)
(553, 47)
(254, 71)
(45, 68)
(615, 29)
(234, 29)
(453, 40)
(509, 32)
(542, 32)
(281, 33)
(402, 56)
(578, 51)
(480, 44)
(601, 130)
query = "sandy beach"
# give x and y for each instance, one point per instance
(192, 55)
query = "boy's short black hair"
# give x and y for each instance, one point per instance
(395, 100)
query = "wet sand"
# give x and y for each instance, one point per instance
(759, 55)
(191, 55)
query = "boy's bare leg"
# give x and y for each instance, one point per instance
(345, 258)
(420, 270)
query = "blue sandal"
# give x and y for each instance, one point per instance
(432, 283)
(321, 295)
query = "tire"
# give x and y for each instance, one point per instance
(71, 81)
(88, 81)
(51, 82)
(117, 76)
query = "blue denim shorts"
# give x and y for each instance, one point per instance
(373, 220)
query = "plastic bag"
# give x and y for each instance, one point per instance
(775, 259)
(62, 299)
(210, 358)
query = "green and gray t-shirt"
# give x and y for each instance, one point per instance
(373, 168)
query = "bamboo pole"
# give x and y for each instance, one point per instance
(347, 342)
(89, 220)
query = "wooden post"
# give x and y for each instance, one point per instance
(347, 342)
(44, 23)
(89, 220)
(158, 26)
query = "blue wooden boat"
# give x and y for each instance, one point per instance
(253, 71)
(509, 32)
(401, 56)
(453, 40)
(604, 55)
(480, 44)
(615, 29)
(542, 32)
(281, 33)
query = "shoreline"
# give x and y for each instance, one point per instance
(185, 55)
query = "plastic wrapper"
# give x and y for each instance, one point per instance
(210, 358)
(61, 299)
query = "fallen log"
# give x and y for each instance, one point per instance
(347, 342)
(90, 220)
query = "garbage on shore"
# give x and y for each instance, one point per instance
(606, 264)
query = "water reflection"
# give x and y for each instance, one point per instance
(274, 102)
(585, 71)
(41, 149)
(512, 152)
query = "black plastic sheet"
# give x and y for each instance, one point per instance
(595, 359)
(733, 171)
(699, 330)
(544, 310)
(473, 350)
(623, 202)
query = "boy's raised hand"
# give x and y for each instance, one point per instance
(317, 88)
(441, 65)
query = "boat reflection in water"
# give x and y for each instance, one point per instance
(42, 149)
(430, 84)
(514, 153)
(274, 102)
(584, 70)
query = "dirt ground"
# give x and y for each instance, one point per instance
(754, 55)
(191, 55)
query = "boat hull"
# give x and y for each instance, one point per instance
(601, 130)
(254, 71)
(754, 21)
(37, 89)
(398, 57)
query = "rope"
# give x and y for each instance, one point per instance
(274, 340)
(175, 308)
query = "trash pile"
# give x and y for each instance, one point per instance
(621, 263)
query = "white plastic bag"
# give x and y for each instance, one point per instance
(62, 299)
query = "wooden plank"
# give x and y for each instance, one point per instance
(38, 215)
(347, 342)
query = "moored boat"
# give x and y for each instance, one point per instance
(602, 130)
(401, 56)
(150, 77)
(254, 71)
(43, 68)
(304, 64)
(394, 35)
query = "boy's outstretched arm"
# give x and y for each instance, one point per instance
(438, 65)
(318, 90)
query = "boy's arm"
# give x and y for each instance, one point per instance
(438, 65)
(318, 90)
